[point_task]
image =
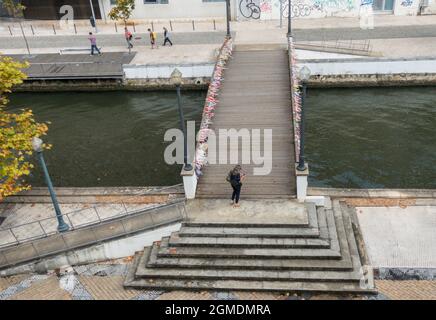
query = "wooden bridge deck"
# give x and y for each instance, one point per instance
(256, 95)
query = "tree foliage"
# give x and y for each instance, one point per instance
(16, 132)
(122, 10)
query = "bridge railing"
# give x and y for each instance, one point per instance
(210, 104)
(296, 96)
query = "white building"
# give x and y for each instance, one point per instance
(270, 9)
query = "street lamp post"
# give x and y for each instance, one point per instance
(93, 16)
(289, 19)
(37, 147)
(228, 18)
(304, 76)
(176, 79)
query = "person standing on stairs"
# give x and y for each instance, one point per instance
(235, 178)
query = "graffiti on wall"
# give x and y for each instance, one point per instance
(297, 10)
(267, 9)
(266, 6)
(333, 5)
(302, 8)
(407, 3)
(250, 9)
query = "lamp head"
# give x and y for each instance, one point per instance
(37, 144)
(304, 74)
(176, 77)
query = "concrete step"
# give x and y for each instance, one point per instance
(219, 252)
(256, 264)
(269, 263)
(249, 264)
(331, 228)
(143, 271)
(254, 242)
(284, 270)
(240, 285)
(262, 49)
(249, 232)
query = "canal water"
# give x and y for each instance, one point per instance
(109, 138)
(356, 138)
(372, 137)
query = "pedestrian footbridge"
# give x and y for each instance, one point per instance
(255, 94)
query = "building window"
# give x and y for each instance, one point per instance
(155, 1)
(114, 2)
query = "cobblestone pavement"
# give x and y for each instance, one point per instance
(105, 282)
(408, 289)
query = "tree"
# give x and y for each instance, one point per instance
(16, 132)
(14, 9)
(122, 10)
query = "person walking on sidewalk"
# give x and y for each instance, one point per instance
(235, 178)
(93, 41)
(129, 36)
(167, 37)
(153, 38)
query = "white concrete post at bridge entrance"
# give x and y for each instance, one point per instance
(302, 182)
(189, 182)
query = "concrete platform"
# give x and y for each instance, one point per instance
(262, 212)
(399, 237)
(51, 66)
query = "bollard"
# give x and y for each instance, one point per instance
(10, 31)
(193, 25)
(134, 27)
(33, 31)
(116, 29)
(75, 29)
(171, 26)
(152, 26)
(214, 24)
(54, 29)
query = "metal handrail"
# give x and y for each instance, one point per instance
(37, 253)
(296, 133)
(73, 226)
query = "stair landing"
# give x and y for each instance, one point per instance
(254, 212)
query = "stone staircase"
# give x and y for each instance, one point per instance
(320, 254)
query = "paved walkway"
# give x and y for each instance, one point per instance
(205, 25)
(393, 36)
(105, 282)
(257, 212)
(76, 66)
